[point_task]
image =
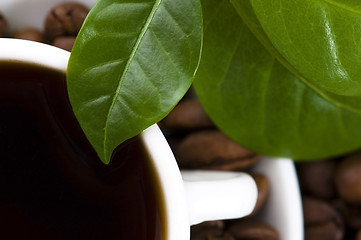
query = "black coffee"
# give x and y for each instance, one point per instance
(52, 184)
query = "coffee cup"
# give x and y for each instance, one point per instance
(187, 198)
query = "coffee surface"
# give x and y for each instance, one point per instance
(53, 185)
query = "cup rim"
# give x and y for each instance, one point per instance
(36, 53)
(176, 222)
(171, 181)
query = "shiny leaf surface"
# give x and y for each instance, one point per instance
(319, 39)
(253, 95)
(130, 65)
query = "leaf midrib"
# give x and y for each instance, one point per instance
(133, 52)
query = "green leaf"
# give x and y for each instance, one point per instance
(131, 63)
(245, 10)
(318, 39)
(259, 102)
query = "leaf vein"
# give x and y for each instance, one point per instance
(134, 50)
(266, 84)
(166, 53)
(218, 9)
(298, 113)
(98, 65)
(174, 20)
(341, 6)
(141, 68)
(231, 59)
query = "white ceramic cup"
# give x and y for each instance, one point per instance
(198, 197)
(283, 208)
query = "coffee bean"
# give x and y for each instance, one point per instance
(211, 149)
(3, 25)
(29, 34)
(65, 43)
(211, 234)
(317, 178)
(211, 230)
(348, 178)
(64, 19)
(187, 115)
(219, 224)
(321, 220)
(358, 235)
(263, 191)
(252, 230)
(351, 213)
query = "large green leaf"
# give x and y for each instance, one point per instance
(246, 11)
(131, 63)
(320, 39)
(262, 105)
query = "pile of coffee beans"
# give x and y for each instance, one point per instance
(61, 26)
(331, 191)
(198, 144)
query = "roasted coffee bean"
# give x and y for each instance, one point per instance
(263, 191)
(3, 25)
(64, 19)
(358, 235)
(65, 43)
(243, 230)
(348, 178)
(187, 115)
(219, 224)
(29, 34)
(317, 178)
(321, 220)
(211, 234)
(351, 213)
(211, 149)
(211, 230)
